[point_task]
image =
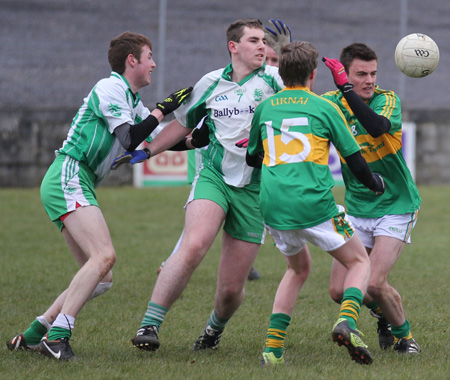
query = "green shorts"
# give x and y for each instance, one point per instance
(67, 185)
(243, 219)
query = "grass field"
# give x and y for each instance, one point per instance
(145, 224)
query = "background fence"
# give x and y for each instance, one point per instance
(54, 51)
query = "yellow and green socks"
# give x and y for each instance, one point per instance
(276, 334)
(403, 331)
(351, 305)
(373, 306)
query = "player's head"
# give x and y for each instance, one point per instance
(236, 30)
(122, 46)
(271, 57)
(298, 62)
(361, 65)
(356, 50)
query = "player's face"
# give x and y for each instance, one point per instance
(363, 75)
(252, 48)
(145, 67)
(271, 57)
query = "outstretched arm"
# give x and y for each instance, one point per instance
(171, 134)
(130, 136)
(198, 138)
(372, 122)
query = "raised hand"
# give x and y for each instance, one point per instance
(173, 101)
(277, 35)
(337, 70)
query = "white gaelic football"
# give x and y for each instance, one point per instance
(416, 55)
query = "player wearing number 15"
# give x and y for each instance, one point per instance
(293, 129)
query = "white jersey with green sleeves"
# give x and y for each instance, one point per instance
(230, 107)
(90, 139)
(294, 129)
(384, 156)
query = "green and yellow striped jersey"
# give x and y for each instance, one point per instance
(384, 156)
(294, 128)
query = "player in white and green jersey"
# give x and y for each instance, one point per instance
(91, 139)
(384, 224)
(271, 60)
(226, 103)
(225, 193)
(111, 119)
(229, 103)
(293, 129)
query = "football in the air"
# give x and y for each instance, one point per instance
(416, 55)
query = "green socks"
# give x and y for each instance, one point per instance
(34, 333)
(373, 306)
(351, 305)
(276, 334)
(216, 322)
(154, 315)
(403, 331)
(58, 333)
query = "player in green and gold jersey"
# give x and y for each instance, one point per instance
(384, 224)
(293, 129)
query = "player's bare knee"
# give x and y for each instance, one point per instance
(376, 289)
(197, 249)
(191, 259)
(104, 263)
(109, 259)
(229, 293)
(336, 294)
(304, 272)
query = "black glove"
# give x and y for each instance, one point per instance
(379, 186)
(173, 101)
(200, 136)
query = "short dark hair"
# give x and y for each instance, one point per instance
(236, 29)
(123, 45)
(356, 50)
(297, 61)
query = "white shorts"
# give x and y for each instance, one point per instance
(396, 226)
(329, 235)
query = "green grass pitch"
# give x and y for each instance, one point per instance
(145, 225)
